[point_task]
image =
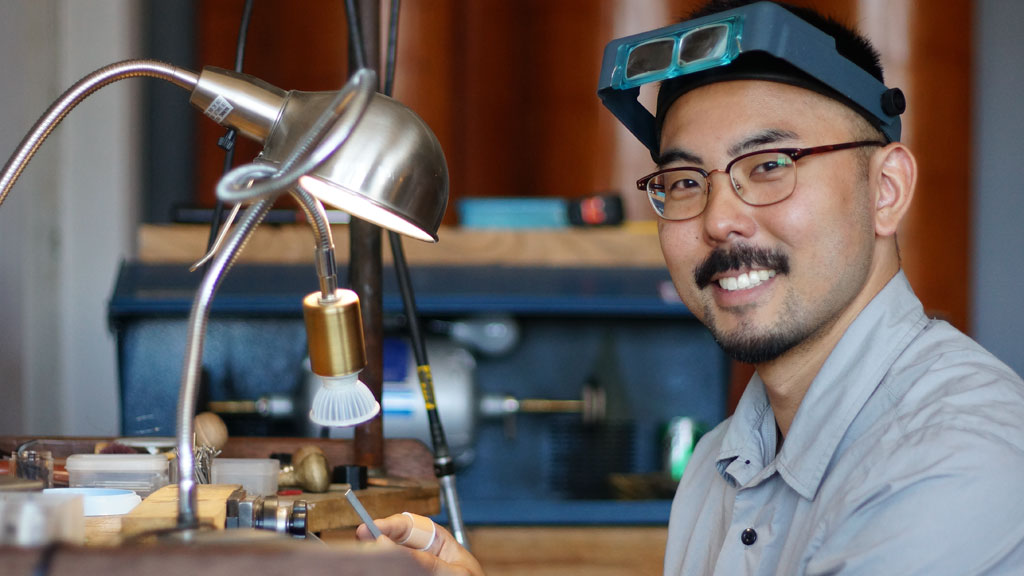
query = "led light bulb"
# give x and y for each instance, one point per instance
(334, 330)
(343, 401)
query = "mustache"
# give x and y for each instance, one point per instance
(721, 260)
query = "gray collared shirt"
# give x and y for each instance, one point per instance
(906, 456)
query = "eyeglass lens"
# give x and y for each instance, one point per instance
(758, 180)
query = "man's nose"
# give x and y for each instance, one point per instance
(725, 215)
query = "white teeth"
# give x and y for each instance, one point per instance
(745, 280)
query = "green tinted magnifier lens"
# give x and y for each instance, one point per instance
(706, 43)
(650, 57)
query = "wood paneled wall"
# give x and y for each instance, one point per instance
(936, 235)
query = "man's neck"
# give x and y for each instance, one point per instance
(788, 377)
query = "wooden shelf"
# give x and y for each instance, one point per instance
(634, 245)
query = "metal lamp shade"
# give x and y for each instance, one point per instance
(391, 171)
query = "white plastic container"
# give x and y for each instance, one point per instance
(141, 473)
(258, 476)
(102, 501)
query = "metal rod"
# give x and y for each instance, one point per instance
(362, 513)
(365, 252)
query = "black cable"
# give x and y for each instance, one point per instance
(227, 141)
(389, 68)
(355, 37)
(443, 464)
(243, 32)
(45, 559)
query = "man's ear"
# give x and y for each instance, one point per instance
(894, 177)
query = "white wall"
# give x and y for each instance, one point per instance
(998, 180)
(70, 218)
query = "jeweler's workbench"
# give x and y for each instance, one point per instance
(408, 485)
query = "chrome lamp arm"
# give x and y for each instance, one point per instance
(255, 107)
(74, 96)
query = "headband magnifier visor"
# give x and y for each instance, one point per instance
(716, 41)
(691, 50)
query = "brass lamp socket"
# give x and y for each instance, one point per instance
(334, 331)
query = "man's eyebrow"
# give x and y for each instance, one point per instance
(678, 156)
(770, 136)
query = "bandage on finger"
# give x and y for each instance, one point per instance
(422, 532)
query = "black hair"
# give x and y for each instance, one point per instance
(849, 42)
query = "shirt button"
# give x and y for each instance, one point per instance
(748, 536)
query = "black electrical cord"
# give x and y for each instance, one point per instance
(227, 141)
(355, 36)
(443, 465)
(45, 559)
(392, 55)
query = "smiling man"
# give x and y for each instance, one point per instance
(871, 439)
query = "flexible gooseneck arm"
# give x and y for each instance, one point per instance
(74, 96)
(188, 501)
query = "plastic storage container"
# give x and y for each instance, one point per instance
(101, 501)
(142, 473)
(258, 476)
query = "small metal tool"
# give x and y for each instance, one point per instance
(267, 513)
(363, 514)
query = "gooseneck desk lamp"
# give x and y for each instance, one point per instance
(356, 150)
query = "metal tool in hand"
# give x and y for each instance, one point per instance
(363, 514)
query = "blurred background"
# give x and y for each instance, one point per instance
(509, 88)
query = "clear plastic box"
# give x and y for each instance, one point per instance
(142, 473)
(258, 476)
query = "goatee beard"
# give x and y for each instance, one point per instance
(759, 348)
(743, 345)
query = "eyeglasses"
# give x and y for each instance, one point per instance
(759, 178)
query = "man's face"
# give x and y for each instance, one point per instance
(803, 260)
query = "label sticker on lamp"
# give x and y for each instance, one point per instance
(219, 109)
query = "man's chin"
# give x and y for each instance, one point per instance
(755, 348)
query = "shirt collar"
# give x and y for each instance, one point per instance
(843, 385)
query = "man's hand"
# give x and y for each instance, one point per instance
(431, 545)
